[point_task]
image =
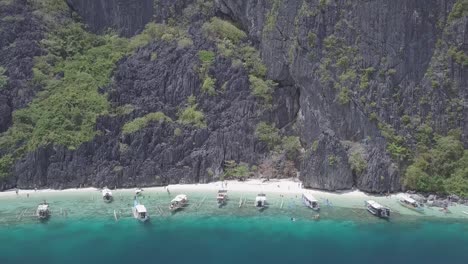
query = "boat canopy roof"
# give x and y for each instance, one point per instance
(309, 197)
(222, 191)
(410, 200)
(179, 198)
(375, 204)
(140, 208)
(43, 207)
(106, 191)
(261, 194)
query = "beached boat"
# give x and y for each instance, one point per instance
(138, 192)
(222, 197)
(261, 200)
(377, 209)
(139, 211)
(412, 204)
(310, 201)
(178, 202)
(107, 195)
(42, 211)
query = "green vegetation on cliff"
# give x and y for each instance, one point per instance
(442, 169)
(144, 121)
(191, 116)
(76, 65)
(3, 78)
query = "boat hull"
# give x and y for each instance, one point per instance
(377, 214)
(309, 204)
(416, 209)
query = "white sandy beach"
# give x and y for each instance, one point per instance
(276, 188)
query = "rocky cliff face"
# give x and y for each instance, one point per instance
(125, 16)
(306, 43)
(352, 76)
(20, 33)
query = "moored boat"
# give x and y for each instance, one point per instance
(107, 195)
(139, 211)
(178, 202)
(310, 201)
(412, 204)
(377, 209)
(222, 197)
(261, 200)
(138, 192)
(42, 211)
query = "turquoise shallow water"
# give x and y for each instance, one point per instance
(204, 233)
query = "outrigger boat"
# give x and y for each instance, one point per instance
(261, 201)
(178, 202)
(107, 195)
(42, 211)
(138, 192)
(412, 204)
(139, 211)
(310, 201)
(222, 197)
(377, 209)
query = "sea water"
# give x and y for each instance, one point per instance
(84, 229)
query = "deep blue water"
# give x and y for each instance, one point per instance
(234, 239)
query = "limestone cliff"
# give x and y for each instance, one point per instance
(356, 82)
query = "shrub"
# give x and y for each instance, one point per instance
(208, 86)
(184, 42)
(3, 78)
(262, 89)
(315, 145)
(358, 163)
(226, 48)
(206, 56)
(460, 9)
(312, 39)
(142, 122)
(154, 56)
(405, 119)
(5, 164)
(268, 134)
(292, 146)
(458, 56)
(223, 29)
(191, 116)
(72, 39)
(332, 160)
(236, 171)
(343, 96)
(252, 61)
(177, 132)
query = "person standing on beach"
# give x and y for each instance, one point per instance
(16, 190)
(168, 192)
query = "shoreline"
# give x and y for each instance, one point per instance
(277, 190)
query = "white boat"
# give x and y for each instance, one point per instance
(310, 201)
(138, 192)
(261, 200)
(42, 211)
(222, 197)
(412, 204)
(139, 211)
(377, 209)
(178, 202)
(107, 195)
